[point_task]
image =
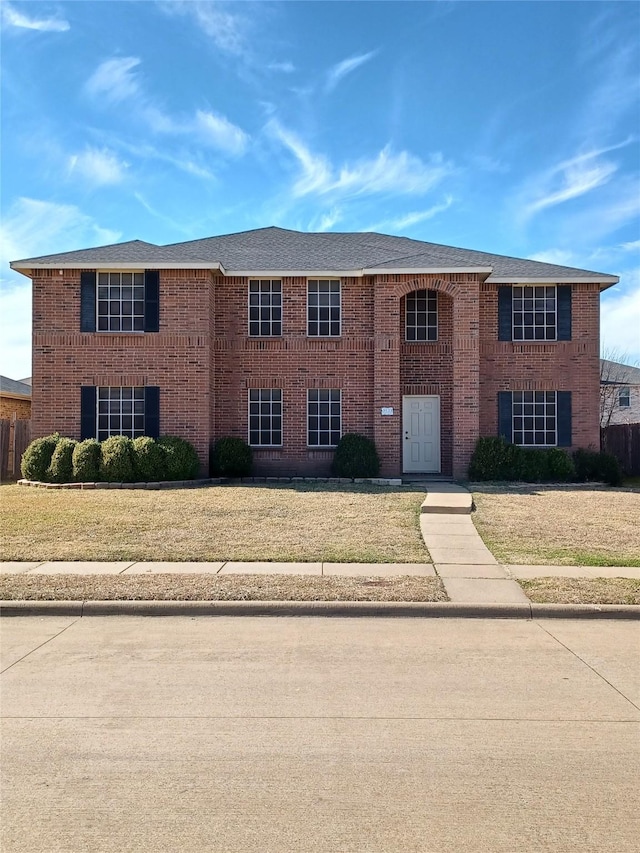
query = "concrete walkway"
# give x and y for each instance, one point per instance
(468, 570)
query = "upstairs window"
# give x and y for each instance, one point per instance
(120, 306)
(323, 308)
(624, 398)
(421, 315)
(534, 313)
(123, 301)
(265, 307)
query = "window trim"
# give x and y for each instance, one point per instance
(437, 313)
(99, 331)
(271, 321)
(249, 430)
(309, 401)
(534, 340)
(624, 394)
(319, 279)
(522, 415)
(132, 433)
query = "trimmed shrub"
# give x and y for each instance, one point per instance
(231, 457)
(181, 460)
(591, 465)
(61, 466)
(116, 463)
(86, 461)
(355, 456)
(149, 460)
(532, 466)
(495, 459)
(37, 457)
(561, 467)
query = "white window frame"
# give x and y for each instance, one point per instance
(131, 432)
(120, 316)
(331, 281)
(524, 415)
(259, 415)
(318, 391)
(519, 292)
(271, 281)
(624, 394)
(427, 340)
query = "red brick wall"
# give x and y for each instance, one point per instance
(555, 366)
(204, 363)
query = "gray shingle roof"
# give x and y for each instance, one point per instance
(615, 373)
(280, 250)
(12, 386)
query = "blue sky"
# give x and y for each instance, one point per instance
(509, 127)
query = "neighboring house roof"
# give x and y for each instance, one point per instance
(26, 381)
(278, 250)
(615, 373)
(13, 388)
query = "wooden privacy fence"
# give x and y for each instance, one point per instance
(15, 435)
(623, 440)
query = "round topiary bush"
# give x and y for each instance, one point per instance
(37, 457)
(61, 466)
(86, 461)
(149, 460)
(355, 456)
(181, 460)
(116, 463)
(231, 457)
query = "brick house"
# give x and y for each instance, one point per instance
(291, 339)
(15, 398)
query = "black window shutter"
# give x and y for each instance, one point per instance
(88, 301)
(564, 419)
(152, 301)
(152, 411)
(505, 421)
(564, 312)
(505, 297)
(88, 412)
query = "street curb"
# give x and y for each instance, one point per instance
(320, 608)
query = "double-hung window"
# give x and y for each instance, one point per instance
(421, 315)
(122, 301)
(624, 398)
(265, 417)
(120, 411)
(534, 415)
(323, 308)
(535, 313)
(265, 307)
(324, 417)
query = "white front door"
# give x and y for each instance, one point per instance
(421, 435)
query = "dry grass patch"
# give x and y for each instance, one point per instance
(297, 522)
(582, 590)
(218, 588)
(559, 525)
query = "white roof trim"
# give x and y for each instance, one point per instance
(424, 270)
(519, 279)
(120, 265)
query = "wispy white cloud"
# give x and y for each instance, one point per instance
(30, 228)
(221, 133)
(620, 316)
(97, 166)
(631, 246)
(399, 223)
(285, 67)
(388, 172)
(562, 257)
(114, 79)
(226, 28)
(11, 17)
(337, 72)
(327, 220)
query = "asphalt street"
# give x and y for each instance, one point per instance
(319, 734)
